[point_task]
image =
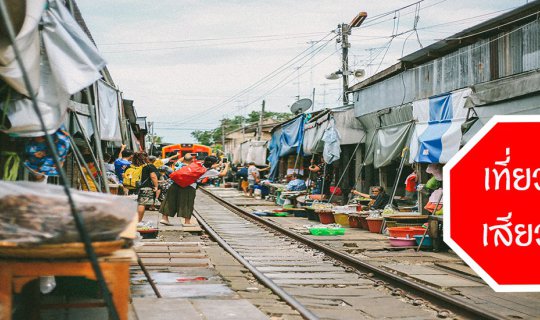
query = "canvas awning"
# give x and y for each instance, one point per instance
(524, 105)
(350, 130)
(387, 133)
(437, 134)
(349, 127)
(109, 121)
(393, 135)
(291, 136)
(256, 153)
(274, 148)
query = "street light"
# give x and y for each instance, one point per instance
(344, 30)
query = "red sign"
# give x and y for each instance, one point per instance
(492, 203)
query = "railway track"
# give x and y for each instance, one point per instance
(319, 281)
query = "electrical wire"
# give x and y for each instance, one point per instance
(213, 39)
(202, 45)
(305, 53)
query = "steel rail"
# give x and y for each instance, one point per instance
(438, 298)
(297, 305)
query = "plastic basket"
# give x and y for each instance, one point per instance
(327, 231)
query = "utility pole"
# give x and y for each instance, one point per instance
(345, 31)
(223, 135)
(261, 116)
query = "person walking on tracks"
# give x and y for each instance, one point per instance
(181, 199)
(148, 185)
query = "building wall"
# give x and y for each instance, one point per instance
(503, 55)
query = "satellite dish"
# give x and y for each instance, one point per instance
(359, 73)
(301, 106)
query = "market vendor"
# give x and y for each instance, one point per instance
(324, 172)
(379, 198)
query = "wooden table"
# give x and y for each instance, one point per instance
(15, 274)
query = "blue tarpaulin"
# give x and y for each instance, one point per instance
(291, 137)
(437, 134)
(274, 150)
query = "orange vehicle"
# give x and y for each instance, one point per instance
(202, 151)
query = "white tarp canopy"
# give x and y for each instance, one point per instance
(349, 128)
(256, 153)
(109, 121)
(69, 63)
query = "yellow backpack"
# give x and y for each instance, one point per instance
(132, 176)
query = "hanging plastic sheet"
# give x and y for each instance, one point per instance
(525, 105)
(274, 148)
(256, 152)
(27, 41)
(312, 142)
(75, 58)
(85, 126)
(109, 122)
(291, 137)
(135, 142)
(393, 135)
(331, 138)
(349, 127)
(237, 155)
(52, 102)
(370, 122)
(244, 149)
(437, 134)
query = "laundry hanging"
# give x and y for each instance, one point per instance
(437, 133)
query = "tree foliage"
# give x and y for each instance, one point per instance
(212, 137)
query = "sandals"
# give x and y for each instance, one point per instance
(165, 222)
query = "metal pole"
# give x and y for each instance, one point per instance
(223, 135)
(345, 45)
(97, 138)
(261, 117)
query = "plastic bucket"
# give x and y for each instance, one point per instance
(374, 224)
(326, 217)
(342, 219)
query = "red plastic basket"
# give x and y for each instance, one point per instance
(326, 217)
(404, 232)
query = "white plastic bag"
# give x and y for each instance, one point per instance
(34, 213)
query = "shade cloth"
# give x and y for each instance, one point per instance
(27, 41)
(52, 104)
(331, 138)
(274, 148)
(109, 121)
(256, 152)
(524, 105)
(75, 59)
(437, 134)
(291, 136)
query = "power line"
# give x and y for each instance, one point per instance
(213, 39)
(203, 45)
(266, 78)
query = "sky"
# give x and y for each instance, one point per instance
(189, 63)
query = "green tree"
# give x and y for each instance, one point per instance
(213, 137)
